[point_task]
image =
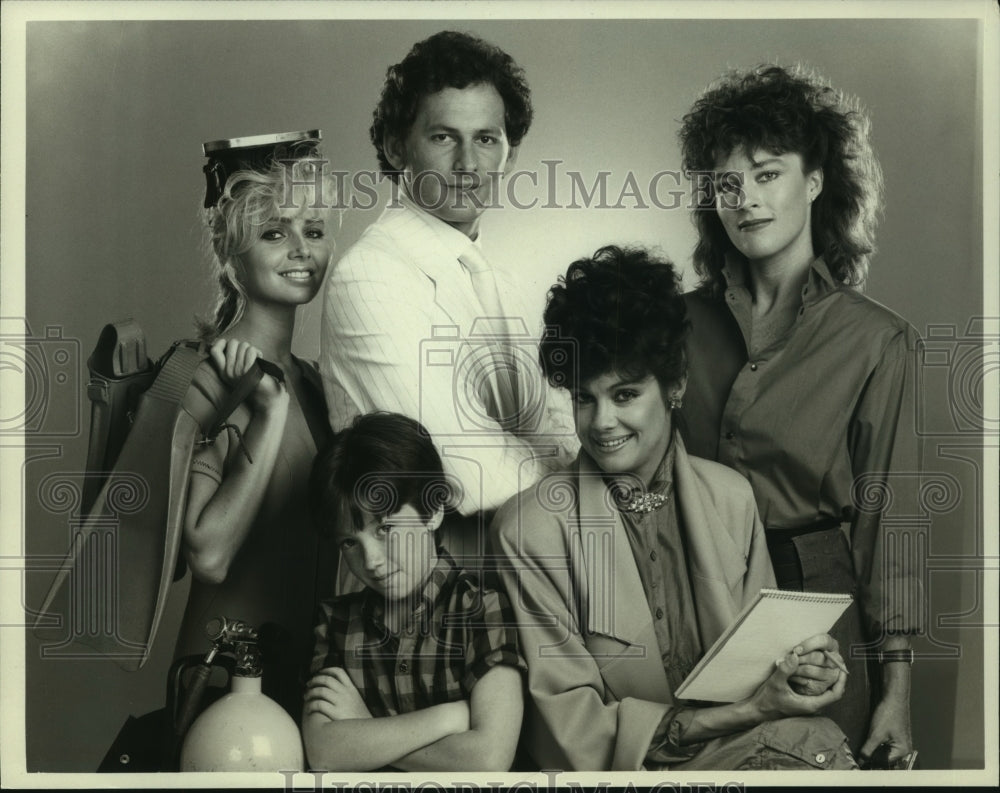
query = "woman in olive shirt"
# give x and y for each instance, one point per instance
(796, 379)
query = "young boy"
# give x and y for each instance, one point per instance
(419, 670)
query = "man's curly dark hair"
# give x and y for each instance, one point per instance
(619, 311)
(448, 60)
(782, 110)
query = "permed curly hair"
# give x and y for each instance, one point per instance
(789, 110)
(619, 311)
(379, 464)
(447, 60)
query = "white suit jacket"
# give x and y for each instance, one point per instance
(398, 334)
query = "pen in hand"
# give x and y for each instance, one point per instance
(836, 661)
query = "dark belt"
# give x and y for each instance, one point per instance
(784, 554)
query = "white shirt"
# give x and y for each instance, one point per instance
(399, 333)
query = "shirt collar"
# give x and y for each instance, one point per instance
(374, 605)
(664, 476)
(451, 238)
(819, 281)
(734, 270)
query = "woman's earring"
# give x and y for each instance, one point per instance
(674, 402)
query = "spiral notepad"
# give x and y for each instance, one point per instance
(743, 657)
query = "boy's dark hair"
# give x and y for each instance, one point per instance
(618, 311)
(378, 465)
(788, 110)
(448, 60)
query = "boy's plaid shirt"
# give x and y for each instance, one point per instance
(457, 632)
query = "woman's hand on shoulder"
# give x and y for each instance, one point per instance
(234, 358)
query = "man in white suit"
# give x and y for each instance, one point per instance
(415, 319)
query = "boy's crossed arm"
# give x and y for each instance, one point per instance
(495, 709)
(341, 735)
(480, 734)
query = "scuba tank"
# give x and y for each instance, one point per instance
(245, 730)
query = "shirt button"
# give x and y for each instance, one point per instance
(730, 436)
(753, 367)
(652, 555)
(659, 614)
(821, 758)
(404, 667)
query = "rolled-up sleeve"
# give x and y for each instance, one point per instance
(886, 455)
(491, 638)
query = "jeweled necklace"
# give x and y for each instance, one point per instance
(644, 503)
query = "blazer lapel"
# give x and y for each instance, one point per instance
(715, 562)
(616, 603)
(421, 245)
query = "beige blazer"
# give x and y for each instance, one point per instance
(597, 689)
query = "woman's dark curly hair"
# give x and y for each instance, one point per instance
(448, 60)
(788, 110)
(379, 464)
(620, 311)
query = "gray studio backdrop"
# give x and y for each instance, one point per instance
(116, 112)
